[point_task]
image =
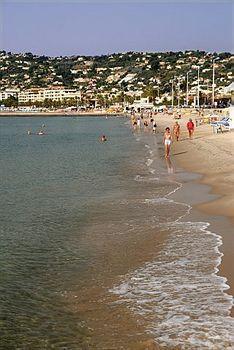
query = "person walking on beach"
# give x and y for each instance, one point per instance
(154, 127)
(190, 127)
(146, 125)
(138, 123)
(176, 130)
(167, 140)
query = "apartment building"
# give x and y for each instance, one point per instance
(31, 95)
(61, 94)
(7, 93)
(55, 94)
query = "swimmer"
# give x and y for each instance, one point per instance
(167, 140)
(103, 138)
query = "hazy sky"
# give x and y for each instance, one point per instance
(94, 28)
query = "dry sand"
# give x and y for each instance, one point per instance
(210, 155)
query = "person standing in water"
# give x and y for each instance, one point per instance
(154, 127)
(176, 130)
(103, 138)
(167, 140)
(138, 122)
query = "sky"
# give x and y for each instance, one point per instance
(65, 28)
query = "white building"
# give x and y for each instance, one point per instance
(141, 104)
(5, 94)
(127, 78)
(31, 95)
(61, 94)
(55, 94)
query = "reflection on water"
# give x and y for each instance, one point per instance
(170, 166)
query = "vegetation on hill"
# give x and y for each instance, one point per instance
(131, 73)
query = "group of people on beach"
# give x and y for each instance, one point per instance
(167, 138)
(148, 123)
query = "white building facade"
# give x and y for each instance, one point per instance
(7, 93)
(34, 95)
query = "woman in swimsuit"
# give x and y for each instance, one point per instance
(176, 131)
(167, 140)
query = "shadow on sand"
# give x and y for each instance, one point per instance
(177, 154)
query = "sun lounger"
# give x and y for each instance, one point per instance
(221, 125)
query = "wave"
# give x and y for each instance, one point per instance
(180, 295)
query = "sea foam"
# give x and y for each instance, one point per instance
(180, 296)
(180, 293)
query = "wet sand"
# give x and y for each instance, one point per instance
(211, 156)
(119, 325)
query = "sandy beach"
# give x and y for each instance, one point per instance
(211, 156)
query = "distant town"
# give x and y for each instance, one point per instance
(115, 82)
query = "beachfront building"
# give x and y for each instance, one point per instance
(139, 105)
(7, 93)
(55, 94)
(31, 95)
(61, 94)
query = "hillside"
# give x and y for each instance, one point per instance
(131, 73)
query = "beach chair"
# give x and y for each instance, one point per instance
(222, 125)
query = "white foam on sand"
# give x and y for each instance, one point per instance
(149, 162)
(180, 294)
(145, 179)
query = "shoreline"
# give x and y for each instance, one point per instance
(214, 226)
(209, 156)
(61, 114)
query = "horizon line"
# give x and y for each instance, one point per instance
(114, 53)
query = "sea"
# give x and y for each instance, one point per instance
(94, 252)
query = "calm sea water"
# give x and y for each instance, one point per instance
(93, 253)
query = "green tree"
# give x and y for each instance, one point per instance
(150, 92)
(10, 102)
(129, 99)
(48, 103)
(100, 100)
(154, 62)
